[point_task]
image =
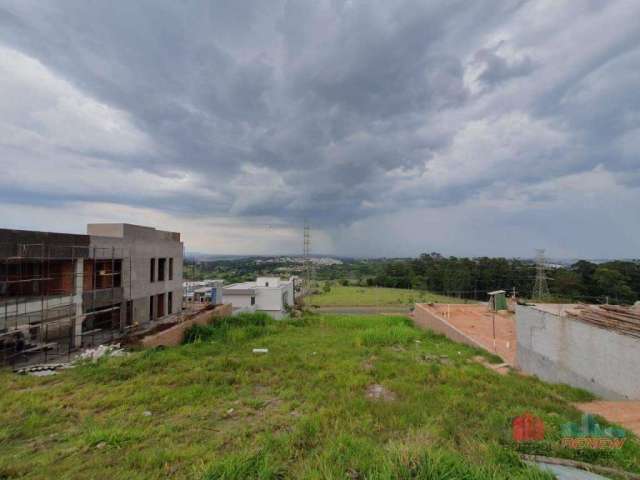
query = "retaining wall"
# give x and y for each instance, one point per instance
(425, 317)
(559, 349)
(173, 336)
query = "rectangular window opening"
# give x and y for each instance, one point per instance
(161, 267)
(152, 270)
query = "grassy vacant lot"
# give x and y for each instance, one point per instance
(215, 410)
(340, 296)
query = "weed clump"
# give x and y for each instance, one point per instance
(230, 329)
(381, 336)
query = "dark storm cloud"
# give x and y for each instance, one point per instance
(496, 68)
(340, 110)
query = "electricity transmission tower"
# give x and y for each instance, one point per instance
(307, 259)
(540, 287)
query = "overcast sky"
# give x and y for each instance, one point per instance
(395, 127)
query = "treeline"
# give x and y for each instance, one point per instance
(615, 281)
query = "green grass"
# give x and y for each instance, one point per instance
(341, 296)
(218, 411)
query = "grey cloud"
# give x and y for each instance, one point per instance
(326, 99)
(496, 68)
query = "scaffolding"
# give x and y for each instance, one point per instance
(55, 299)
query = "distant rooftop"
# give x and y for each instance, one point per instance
(240, 286)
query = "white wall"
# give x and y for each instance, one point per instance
(269, 298)
(561, 350)
(238, 301)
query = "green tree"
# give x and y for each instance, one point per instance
(613, 284)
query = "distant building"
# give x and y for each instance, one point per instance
(59, 291)
(204, 291)
(267, 294)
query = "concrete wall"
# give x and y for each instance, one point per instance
(426, 318)
(559, 349)
(175, 335)
(239, 301)
(269, 298)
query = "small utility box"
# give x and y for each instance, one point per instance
(497, 300)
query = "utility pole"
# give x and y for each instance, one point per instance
(307, 259)
(493, 317)
(540, 287)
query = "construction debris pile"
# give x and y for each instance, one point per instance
(100, 351)
(612, 317)
(90, 354)
(42, 370)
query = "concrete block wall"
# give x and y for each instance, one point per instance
(174, 336)
(424, 317)
(559, 349)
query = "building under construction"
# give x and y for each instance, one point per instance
(60, 292)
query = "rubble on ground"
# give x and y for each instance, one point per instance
(92, 354)
(100, 351)
(42, 370)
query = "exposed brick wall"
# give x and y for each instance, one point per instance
(87, 281)
(63, 277)
(173, 336)
(424, 317)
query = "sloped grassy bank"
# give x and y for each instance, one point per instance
(334, 397)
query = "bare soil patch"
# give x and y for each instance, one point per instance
(379, 392)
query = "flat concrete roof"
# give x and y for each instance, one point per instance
(129, 230)
(254, 285)
(240, 286)
(39, 237)
(202, 283)
(238, 291)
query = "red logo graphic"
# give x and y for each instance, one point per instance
(527, 428)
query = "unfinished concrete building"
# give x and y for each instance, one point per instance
(59, 292)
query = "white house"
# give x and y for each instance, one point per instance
(267, 294)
